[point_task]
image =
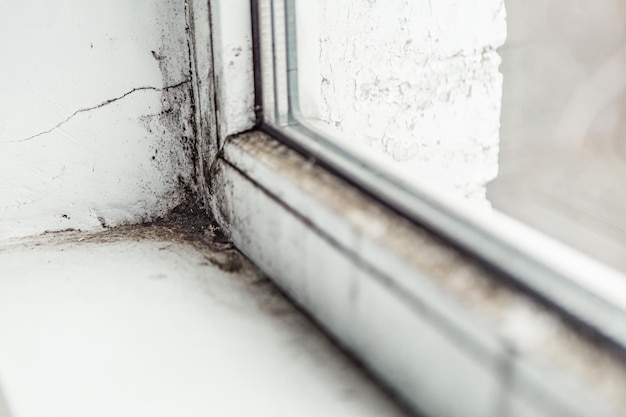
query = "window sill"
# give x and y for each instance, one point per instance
(429, 320)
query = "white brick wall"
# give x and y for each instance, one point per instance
(417, 83)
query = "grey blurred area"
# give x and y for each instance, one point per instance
(563, 150)
(4, 406)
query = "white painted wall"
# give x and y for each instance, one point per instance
(94, 113)
(416, 84)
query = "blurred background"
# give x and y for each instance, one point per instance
(562, 159)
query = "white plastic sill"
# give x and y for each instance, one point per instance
(135, 326)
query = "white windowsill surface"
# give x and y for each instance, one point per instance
(130, 323)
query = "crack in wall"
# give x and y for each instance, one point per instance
(97, 106)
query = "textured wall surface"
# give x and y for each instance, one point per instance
(417, 83)
(95, 117)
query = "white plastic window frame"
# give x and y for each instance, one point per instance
(282, 179)
(564, 277)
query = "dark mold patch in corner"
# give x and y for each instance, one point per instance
(191, 224)
(171, 128)
(174, 132)
(175, 147)
(186, 224)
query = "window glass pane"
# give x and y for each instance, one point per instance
(416, 84)
(515, 105)
(562, 156)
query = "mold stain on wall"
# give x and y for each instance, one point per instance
(96, 121)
